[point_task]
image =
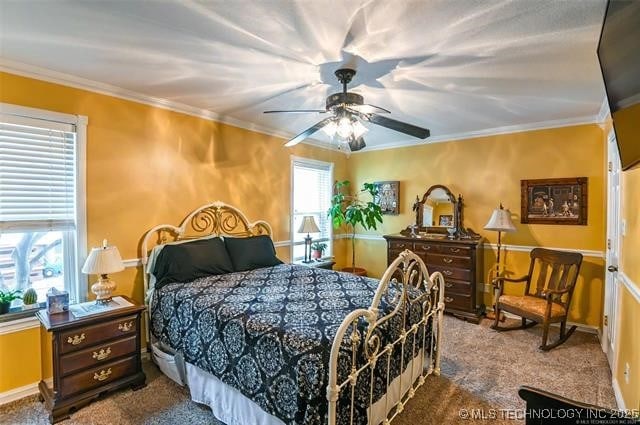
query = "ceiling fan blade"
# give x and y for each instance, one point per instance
(320, 111)
(399, 126)
(308, 132)
(370, 109)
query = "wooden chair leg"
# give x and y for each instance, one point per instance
(545, 334)
(496, 311)
(524, 323)
(561, 339)
(563, 328)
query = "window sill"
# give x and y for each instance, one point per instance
(18, 320)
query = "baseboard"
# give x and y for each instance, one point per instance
(21, 392)
(581, 327)
(618, 394)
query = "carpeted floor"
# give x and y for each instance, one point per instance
(482, 369)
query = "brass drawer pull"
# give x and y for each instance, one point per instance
(447, 272)
(77, 339)
(104, 374)
(448, 260)
(448, 299)
(455, 249)
(448, 285)
(102, 354)
(125, 326)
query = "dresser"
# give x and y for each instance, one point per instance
(459, 261)
(91, 355)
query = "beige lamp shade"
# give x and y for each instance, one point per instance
(500, 221)
(308, 225)
(103, 260)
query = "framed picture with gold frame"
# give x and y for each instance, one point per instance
(388, 197)
(554, 201)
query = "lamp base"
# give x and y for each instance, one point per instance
(103, 289)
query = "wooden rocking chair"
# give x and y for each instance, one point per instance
(557, 273)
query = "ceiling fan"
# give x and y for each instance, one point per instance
(348, 112)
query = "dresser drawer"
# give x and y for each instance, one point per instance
(450, 272)
(97, 355)
(400, 245)
(82, 337)
(421, 249)
(462, 251)
(457, 301)
(449, 260)
(92, 378)
(457, 287)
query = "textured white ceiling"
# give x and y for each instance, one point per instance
(453, 66)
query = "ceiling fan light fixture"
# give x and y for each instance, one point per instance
(344, 127)
(330, 129)
(358, 129)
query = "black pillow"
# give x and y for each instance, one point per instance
(188, 261)
(251, 253)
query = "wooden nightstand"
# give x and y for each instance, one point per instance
(320, 264)
(91, 355)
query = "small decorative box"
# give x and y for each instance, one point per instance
(57, 301)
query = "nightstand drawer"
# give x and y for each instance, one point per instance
(86, 336)
(102, 375)
(97, 355)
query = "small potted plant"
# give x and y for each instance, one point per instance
(6, 298)
(317, 249)
(30, 299)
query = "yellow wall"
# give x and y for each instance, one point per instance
(147, 166)
(628, 349)
(487, 171)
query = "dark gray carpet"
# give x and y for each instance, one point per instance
(482, 369)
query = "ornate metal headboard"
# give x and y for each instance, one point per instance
(215, 219)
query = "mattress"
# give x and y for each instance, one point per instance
(268, 333)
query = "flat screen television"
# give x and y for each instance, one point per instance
(619, 55)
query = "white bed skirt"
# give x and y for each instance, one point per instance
(233, 408)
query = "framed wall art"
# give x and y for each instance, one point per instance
(554, 201)
(388, 197)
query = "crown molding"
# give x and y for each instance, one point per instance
(604, 110)
(74, 81)
(510, 129)
(44, 74)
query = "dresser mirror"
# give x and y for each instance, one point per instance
(436, 212)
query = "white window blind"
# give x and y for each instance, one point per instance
(312, 189)
(37, 175)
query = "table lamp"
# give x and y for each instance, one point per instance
(500, 221)
(102, 261)
(307, 226)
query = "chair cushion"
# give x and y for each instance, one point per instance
(537, 306)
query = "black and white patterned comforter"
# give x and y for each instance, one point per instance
(268, 333)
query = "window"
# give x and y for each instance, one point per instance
(312, 185)
(41, 218)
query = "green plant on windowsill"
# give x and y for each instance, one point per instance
(6, 298)
(353, 211)
(30, 299)
(317, 249)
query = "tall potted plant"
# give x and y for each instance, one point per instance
(353, 211)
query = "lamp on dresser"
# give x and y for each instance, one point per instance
(308, 226)
(102, 261)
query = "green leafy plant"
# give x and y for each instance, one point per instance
(6, 298)
(30, 296)
(352, 211)
(319, 246)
